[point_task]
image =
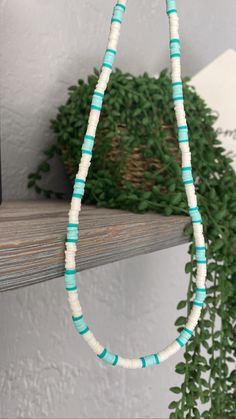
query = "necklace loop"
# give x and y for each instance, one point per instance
(72, 227)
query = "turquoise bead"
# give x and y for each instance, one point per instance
(200, 296)
(96, 103)
(122, 6)
(183, 134)
(149, 360)
(109, 58)
(80, 325)
(117, 14)
(87, 152)
(170, 6)
(108, 357)
(196, 303)
(177, 91)
(201, 254)
(79, 189)
(190, 332)
(72, 234)
(89, 137)
(174, 49)
(187, 176)
(87, 145)
(70, 280)
(184, 337)
(195, 215)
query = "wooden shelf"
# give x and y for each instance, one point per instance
(33, 234)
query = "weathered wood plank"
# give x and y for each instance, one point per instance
(32, 236)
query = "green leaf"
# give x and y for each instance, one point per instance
(143, 206)
(173, 405)
(232, 223)
(180, 321)
(180, 368)
(44, 167)
(188, 267)
(181, 304)
(176, 198)
(31, 183)
(175, 390)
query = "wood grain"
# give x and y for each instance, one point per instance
(32, 236)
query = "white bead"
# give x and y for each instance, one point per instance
(191, 196)
(168, 351)
(186, 159)
(93, 343)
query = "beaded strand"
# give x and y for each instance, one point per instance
(79, 186)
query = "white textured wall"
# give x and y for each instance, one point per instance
(45, 368)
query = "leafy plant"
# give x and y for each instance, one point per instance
(136, 167)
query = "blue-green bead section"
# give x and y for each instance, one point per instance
(87, 145)
(197, 304)
(184, 337)
(183, 127)
(200, 297)
(79, 181)
(149, 360)
(107, 65)
(89, 137)
(117, 14)
(190, 332)
(70, 280)
(101, 356)
(174, 49)
(108, 357)
(143, 362)
(79, 189)
(187, 176)
(80, 325)
(174, 41)
(172, 11)
(177, 55)
(195, 215)
(170, 6)
(96, 102)
(72, 234)
(177, 91)
(87, 152)
(200, 254)
(122, 6)
(183, 134)
(179, 342)
(116, 20)
(109, 58)
(115, 360)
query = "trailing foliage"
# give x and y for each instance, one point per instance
(136, 167)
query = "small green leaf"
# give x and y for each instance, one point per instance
(180, 321)
(173, 405)
(175, 390)
(180, 368)
(181, 304)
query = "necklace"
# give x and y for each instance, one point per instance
(72, 227)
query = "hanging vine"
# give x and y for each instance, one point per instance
(136, 167)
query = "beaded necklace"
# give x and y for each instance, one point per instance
(72, 227)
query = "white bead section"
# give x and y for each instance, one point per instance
(169, 351)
